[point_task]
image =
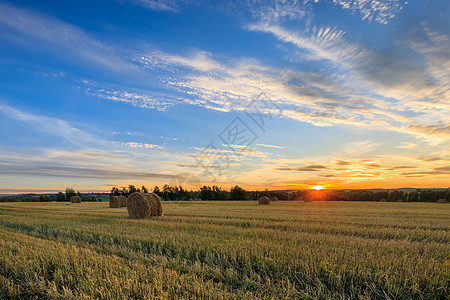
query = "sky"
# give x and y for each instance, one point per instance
(262, 94)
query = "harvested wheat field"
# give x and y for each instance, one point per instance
(226, 250)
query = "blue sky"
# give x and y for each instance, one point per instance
(340, 93)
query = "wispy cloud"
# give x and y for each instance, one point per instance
(407, 145)
(381, 11)
(366, 90)
(52, 126)
(71, 164)
(44, 32)
(141, 145)
(143, 99)
(159, 5)
(270, 146)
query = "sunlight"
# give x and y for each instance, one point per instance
(317, 187)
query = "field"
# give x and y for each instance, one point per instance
(226, 250)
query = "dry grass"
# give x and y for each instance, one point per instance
(226, 250)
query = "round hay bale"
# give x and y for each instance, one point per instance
(274, 199)
(399, 200)
(75, 199)
(123, 201)
(264, 200)
(114, 201)
(141, 206)
(442, 201)
(383, 200)
(307, 198)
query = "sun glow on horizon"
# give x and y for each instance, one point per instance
(317, 187)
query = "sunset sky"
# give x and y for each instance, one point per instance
(276, 94)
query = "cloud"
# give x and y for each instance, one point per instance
(158, 5)
(309, 168)
(270, 146)
(52, 126)
(322, 43)
(404, 90)
(381, 11)
(141, 145)
(44, 32)
(407, 145)
(143, 99)
(11, 169)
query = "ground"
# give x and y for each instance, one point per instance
(223, 250)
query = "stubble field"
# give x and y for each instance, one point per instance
(226, 250)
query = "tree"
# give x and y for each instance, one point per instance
(80, 195)
(219, 194)
(69, 193)
(132, 189)
(124, 192)
(157, 191)
(44, 198)
(60, 197)
(115, 191)
(238, 193)
(144, 189)
(206, 193)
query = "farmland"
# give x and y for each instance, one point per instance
(225, 250)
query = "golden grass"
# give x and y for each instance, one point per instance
(226, 250)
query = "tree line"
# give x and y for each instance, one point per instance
(209, 193)
(178, 193)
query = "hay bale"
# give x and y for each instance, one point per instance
(123, 201)
(264, 200)
(141, 205)
(383, 200)
(442, 201)
(274, 199)
(114, 201)
(399, 200)
(75, 199)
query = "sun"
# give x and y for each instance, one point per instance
(317, 187)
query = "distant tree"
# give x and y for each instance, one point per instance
(219, 194)
(69, 193)
(132, 189)
(44, 198)
(60, 197)
(238, 193)
(157, 191)
(144, 190)
(115, 191)
(80, 195)
(124, 192)
(206, 193)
